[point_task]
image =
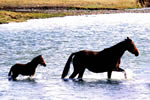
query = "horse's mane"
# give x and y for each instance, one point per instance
(122, 43)
(115, 47)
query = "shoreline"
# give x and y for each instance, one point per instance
(76, 11)
(59, 12)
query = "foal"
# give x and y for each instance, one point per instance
(26, 69)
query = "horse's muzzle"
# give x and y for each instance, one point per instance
(43, 64)
(136, 53)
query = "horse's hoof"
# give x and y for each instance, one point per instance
(80, 79)
(65, 79)
(125, 75)
(9, 79)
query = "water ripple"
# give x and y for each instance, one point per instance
(57, 38)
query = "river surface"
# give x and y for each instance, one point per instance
(57, 38)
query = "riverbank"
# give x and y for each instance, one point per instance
(20, 15)
(22, 10)
(79, 11)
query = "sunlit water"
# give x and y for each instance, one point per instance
(56, 39)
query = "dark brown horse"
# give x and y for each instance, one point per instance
(26, 69)
(107, 60)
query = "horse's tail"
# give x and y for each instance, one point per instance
(67, 66)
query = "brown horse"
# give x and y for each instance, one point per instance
(107, 60)
(26, 69)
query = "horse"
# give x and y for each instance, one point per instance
(27, 69)
(107, 60)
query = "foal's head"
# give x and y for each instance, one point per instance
(131, 47)
(41, 60)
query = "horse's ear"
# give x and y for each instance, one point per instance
(40, 56)
(128, 39)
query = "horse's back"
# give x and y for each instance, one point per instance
(86, 58)
(94, 61)
(86, 53)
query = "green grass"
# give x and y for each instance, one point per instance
(9, 16)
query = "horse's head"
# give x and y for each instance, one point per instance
(41, 61)
(131, 47)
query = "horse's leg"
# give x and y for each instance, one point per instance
(122, 70)
(75, 72)
(81, 72)
(109, 74)
(76, 67)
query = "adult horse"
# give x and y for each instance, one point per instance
(26, 69)
(107, 60)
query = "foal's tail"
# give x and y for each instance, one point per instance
(9, 74)
(67, 66)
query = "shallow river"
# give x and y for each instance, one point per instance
(56, 39)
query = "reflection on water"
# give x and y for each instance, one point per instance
(56, 39)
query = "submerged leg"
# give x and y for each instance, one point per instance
(81, 74)
(109, 74)
(10, 78)
(14, 76)
(74, 74)
(125, 75)
(122, 70)
(77, 68)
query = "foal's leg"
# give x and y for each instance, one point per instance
(14, 76)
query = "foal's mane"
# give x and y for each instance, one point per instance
(34, 60)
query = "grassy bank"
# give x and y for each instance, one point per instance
(10, 16)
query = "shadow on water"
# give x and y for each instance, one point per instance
(147, 85)
(92, 81)
(94, 86)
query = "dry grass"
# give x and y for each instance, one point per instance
(71, 3)
(7, 16)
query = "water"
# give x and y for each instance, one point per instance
(56, 39)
